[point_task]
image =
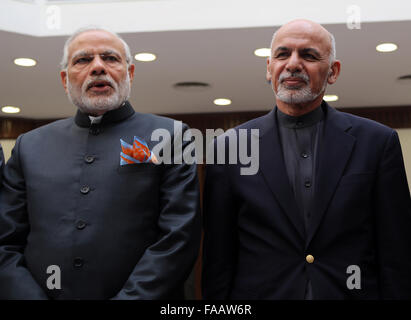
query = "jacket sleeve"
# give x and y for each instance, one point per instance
(220, 235)
(393, 223)
(16, 281)
(166, 264)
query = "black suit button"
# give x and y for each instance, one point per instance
(299, 123)
(85, 190)
(80, 224)
(89, 159)
(304, 155)
(307, 184)
(94, 130)
(78, 262)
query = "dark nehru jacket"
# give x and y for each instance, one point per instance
(116, 231)
(299, 142)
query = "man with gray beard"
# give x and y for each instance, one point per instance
(328, 216)
(86, 209)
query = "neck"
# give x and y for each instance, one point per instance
(297, 110)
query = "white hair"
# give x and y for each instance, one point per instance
(64, 60)
(333, 52)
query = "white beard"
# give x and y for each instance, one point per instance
(300, 95)
(97, 103)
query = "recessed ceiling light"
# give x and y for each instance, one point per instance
(405, 77)
(222, 102)
(386, 47)
(145, 57)
(25, 62)
(263, 52)
(191, 86)
(330, 97)
(10, 109)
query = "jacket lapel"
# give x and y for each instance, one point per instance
(274, 171)
(335, 150)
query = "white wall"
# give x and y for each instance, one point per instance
(53, 19)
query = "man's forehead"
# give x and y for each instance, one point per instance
(96, 42)
(94, 51)
(295, 43)
(297, 36)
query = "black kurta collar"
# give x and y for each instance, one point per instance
(116, 115)
(306, 120)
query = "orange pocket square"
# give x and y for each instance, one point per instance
(138, 152)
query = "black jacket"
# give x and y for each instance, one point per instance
(122, 232)
(256, 246)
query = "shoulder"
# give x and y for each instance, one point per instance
(362, 126)
(157, 122)
(262, 123)
(365, 122)
(258, 123)
(49, 129)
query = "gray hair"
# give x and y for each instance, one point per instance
(333, 52)
(64, 60)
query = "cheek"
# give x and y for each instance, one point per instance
(76, 79)
(318, 76)
(276, 71)
(76, 85)
(119, 73)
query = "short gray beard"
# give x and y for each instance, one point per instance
(299, 95)
(96, 104)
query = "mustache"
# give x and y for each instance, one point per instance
(106, 79)
(297, 75)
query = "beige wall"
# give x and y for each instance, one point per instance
(404, 134)
(7, 145)
(405, 139)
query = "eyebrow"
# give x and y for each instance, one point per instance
(281, 49)
(304, 50)
(89, 53)
(311, 50)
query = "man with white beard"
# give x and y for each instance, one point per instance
(86, 210)
(328, 216)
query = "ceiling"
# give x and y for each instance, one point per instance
(221, 56)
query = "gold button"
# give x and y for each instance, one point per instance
(309, 258)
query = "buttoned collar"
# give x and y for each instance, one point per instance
(306, 120)
(116, 115)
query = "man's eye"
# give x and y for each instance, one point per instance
(82, 60)
(310, 56)
(282, 55)
(110, 58)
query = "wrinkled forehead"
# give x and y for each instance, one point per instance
(96, 42)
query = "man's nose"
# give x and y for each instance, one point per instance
(98, 67)
(294, 63)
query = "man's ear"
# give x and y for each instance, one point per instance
(334, 72)
(63, 75)
(131, 72)
(268, 74)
